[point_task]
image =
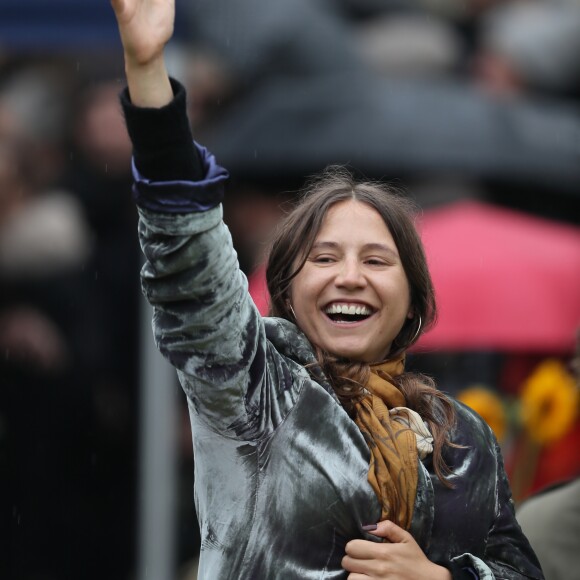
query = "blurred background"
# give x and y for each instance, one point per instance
(470, 107)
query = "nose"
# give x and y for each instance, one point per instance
(350, 275)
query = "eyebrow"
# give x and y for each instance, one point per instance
(371, 246)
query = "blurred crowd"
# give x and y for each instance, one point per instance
(68, 325)
(454, 99)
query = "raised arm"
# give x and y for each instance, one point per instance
(145, 27)
(204, 320)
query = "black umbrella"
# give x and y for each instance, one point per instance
(392, 127)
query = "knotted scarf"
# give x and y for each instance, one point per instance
(393, 468)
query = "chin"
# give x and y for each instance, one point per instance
(351, 354)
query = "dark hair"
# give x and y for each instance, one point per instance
(289, 250)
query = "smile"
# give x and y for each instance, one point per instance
(345, 312)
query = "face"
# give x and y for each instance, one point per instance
(351, 298)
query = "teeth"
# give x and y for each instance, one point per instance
(348, 309)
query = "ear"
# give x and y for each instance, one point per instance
(410, 314)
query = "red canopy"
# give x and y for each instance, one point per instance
(504, 280)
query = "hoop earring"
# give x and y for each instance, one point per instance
(417, 331)
(292, 310)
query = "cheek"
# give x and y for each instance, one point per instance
(299, 288)
(404, 291)
(303, 295)
(398, 300)
(298, 296)
(294, 298)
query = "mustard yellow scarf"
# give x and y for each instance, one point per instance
(393, 468)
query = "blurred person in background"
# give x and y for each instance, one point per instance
(45, 407)
(530, 46)
(551, 521)
(68, 326)
(98, 172)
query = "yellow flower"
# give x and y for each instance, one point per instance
(488, 405)
(549, 402)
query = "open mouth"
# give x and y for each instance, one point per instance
(347, 312)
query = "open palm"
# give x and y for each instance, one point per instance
(145, 27)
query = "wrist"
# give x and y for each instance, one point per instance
(148, 82)
(443, 573)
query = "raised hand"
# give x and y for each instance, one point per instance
(400, 558)
(145, 27)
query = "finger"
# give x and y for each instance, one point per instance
(120, 9)
(372, 568)
(391, 531)
(363, 549)
(118, 5)
(355, 566)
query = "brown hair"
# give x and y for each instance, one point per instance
(291, 245)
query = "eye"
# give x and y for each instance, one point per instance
(322, 259)
(376, 262)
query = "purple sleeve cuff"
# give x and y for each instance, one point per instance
(460, 571)
(182, 196)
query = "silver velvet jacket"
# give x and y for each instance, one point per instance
(280, 468)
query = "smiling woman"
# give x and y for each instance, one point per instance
(358, 299)
(312, 443)
(344, 239)
(351, 297)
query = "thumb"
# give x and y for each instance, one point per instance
(388, 530)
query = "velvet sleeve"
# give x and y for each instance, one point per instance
(204, 320)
